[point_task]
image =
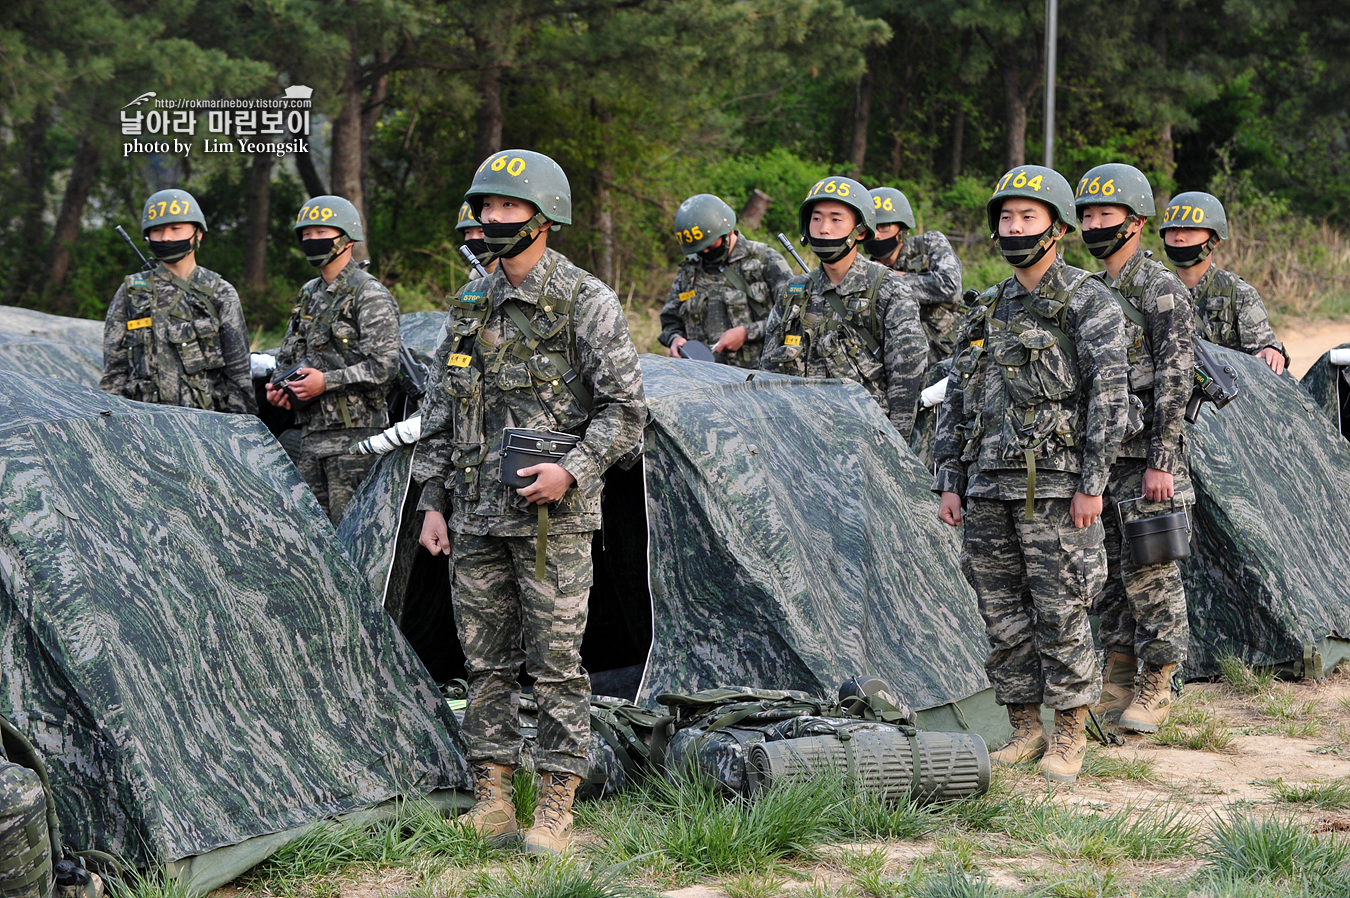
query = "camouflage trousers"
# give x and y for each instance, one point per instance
(505, 617)
(333, 475)
(1142, 609)
(1034, 580)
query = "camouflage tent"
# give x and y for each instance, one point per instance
(203, 670)
(67, 349)
(80, 331)
(1329, 386)
(1268, 578)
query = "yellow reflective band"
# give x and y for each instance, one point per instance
(138, 323)
(459, 360)
(792, 340)
(686, 296)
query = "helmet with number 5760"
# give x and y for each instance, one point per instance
(1115, 184)
(891, 207)
(172, 206)
(700, 220)
(841, 190)
(331, 212)
(523, 175)
(1038, 183)
(1194, 209)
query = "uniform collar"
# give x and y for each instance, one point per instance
(855, 279)
(1130, 267)
(531, 287)
(1208, 276)
(342, 278)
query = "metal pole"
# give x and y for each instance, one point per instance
(1051, 40)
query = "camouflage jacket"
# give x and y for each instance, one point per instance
(489, 379)
(1023, 401)
(935, 271)
(877, 341)
(178, 342)
(704, 304)
(1229, 312)
(348, 330)
(1161, 356)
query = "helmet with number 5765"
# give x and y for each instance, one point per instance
(700, 220)
(1194, 209)
(331, 212)
(841, 190)
(172, 206)
(523, 175)
(1115, 184)
(1038, 183)
(891, 207)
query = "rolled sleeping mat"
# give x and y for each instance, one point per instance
(934, 395)
(892, 765)
(404, 433)
(1339, 356)
(25, 841)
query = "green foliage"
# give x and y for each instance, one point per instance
(1333, 795)
(1243, 679)
(553, 877)
(1256, 848)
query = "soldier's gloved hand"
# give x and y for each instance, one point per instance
(278, 398)
(675, 343)
(435, 535)
(549, 486)
(311, 386)
(950, 510)
(1085, 509)
(732, 340)
(1272, 357)
(1158, 485)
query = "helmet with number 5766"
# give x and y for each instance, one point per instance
(1194, 209)
(1038, 183)
(523, 175)
(841, 190)
(331, 212)
(700, 220)
(1115, 184)
(891, 207)
(172, 206)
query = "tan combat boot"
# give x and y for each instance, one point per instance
(552, 829)
(1153, 702)
(1027, 742)
(1117, 686)
(493, 815)
(1068, 745)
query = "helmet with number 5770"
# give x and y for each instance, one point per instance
(331, 212)
(892, 207)
(1038, 183)
(700, 220)
(841, 190)
(1115, 184)
(1194, 209)
(523, 175)
(172, 206)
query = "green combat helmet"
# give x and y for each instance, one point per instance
(1194, 209)
(172, 206)
(851, 194)
(328, 212)
(892, 207)
(523, 175)
(1113, 184)
(1038, 183)
(872, 698)
(700, 220)
(466, 219)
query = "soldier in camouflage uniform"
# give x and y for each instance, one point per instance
(472, 232)
(1142, 609)
(344, 331)
(1029, 428)
(927, 259)
(176, 335)
(725, 286)
(1228, 310)
(850, 318)
(541, 345)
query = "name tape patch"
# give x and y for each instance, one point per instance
(686, 296)
(138, 323)
(792, 340)
(459, 360)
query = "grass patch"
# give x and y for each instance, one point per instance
(563, 877)
(154, 884)
(1105, 765)
(1125, 834)
(525, 795)
(1333, 795)
(946, 882)
(1244, 680)
(754, 885)
(1197, 729)
(1284, 704)
(1255, 848)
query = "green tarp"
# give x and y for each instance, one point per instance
(1329, 386)
(69, 350)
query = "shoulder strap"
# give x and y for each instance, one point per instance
(1130, 311)
(1063, 295)
(866, 332)
(570, 377)
(733, 273)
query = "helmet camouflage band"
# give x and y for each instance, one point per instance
(841, 190)
(172, 206)
(891, 207)
(1116, 184)
(331, 212)
(1038, 183)
(1194, 209)
(523, 175)
(466, 219)
(700, 220)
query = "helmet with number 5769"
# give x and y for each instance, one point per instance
(1194, 209)
(523, 175)
(1115, 184)
(1038, 183)
(172, 206)
(331, 212)
(841, 190)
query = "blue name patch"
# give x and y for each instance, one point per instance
(796, 288)
(471, 297)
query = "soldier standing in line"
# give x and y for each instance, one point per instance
(176, 335)
(1228, 310)
(725, 286)
(849, 318)
(1031, 423)
(928, 259)
(1142, 609)
(344, 333)
(540, 345)
(472, 232)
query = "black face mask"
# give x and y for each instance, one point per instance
(172, 250)
(1105, 242)
(831, 250)
(1027, 250)
(479, 247)
(511, 238)
(718, 254)
(881, 248)
(319, 251)
(1188, 256)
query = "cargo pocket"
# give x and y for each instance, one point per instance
(1084, 562)
(208, 336)
(183, 336)
(783, 359)
(574, 573)
(555, 395)
(344, 338)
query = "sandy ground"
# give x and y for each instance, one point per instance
(1306, 341)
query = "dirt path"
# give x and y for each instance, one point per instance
(1306, 341)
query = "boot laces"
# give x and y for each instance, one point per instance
(553, 804)
(482, 783)
(1022, 719)
(1061, 740)
(1153, 685)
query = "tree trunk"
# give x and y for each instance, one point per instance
(756, 207)
(958, 138)
(1015, 112)
(488, 140)
(370, 117)
(604, 224)
(309, 174)
(346, 166)
(255, 223)
(862, 114)
(68, 219)
(33, 203)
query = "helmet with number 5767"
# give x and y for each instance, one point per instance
(1194, 209)
(892, 207)
(1038, 183)
(331, 212)
(841, 190)
(523, 175)
(700, 220)
(1115, 184)
(172, 206)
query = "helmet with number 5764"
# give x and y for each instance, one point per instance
(1038, 183)
(172, 206)
(1115, 184)
(523, 175)
(331, 212)
(891, 207)
(1194, 209)
(841, 190)
(700, 220)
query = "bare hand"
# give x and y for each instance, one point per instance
(311, 386)
(278, 398)
(950, 510)
(435, 535)
(675, 343)
(732, 340)
(549, 486)
(1272, 357)
(1085, 509)
(1158, 485)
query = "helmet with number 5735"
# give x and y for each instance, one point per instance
(891, 207)
(1194, 209)
(1038, 183)
(700, 220)
(841, 190)
(331, 212)
(172, 206)
(1115, 184)
(523, 175)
